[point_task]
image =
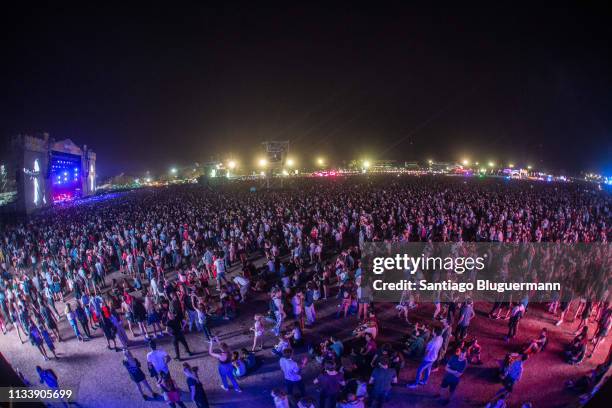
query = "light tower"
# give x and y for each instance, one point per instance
(276, 156)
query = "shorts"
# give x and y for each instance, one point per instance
(140, 318)
(129, 316)
(152, 318)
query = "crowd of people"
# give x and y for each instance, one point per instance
(174, 260)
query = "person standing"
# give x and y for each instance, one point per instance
(37, 340)
(604, 324)
(153, 319)
(72, 319)
(330, 383)
(466, 314)
(172, 394)
(49, 378)
(110, 332)
(82, 318)
(292, 372)
(258, 332)
(515, 316)
(202, 321)
(454, 370)
(196, 390)
(132, 365)
(381, 380)
(49, 320)
(277, 307)
(225, 364)
(431, 355)
(48, 340)
(244, 284)
(219, 265)
(157, 360)
(513, 374)
(175, 328)
(309, 306)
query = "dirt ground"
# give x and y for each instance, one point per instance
(100, 379)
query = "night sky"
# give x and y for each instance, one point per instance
(151, 88)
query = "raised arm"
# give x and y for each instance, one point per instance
(211, 352)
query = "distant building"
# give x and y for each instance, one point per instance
(49, 171)
(381, 165)
(412, 165)
(443, 166)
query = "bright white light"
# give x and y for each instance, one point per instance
(36, 170)
(290, 162)
(511, 165)
(366, 164)
(173, 170)
(491, 164)
(465, 162)
(262, 162)
(148, 179)
(285, 172)
(321, 161)
(231, 164)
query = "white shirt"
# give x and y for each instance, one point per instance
(157, 358)
(241, 280)
(290, 369)
(220, 265)
(433, 348)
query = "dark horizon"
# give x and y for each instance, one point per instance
(154, 88)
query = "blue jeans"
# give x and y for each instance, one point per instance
(278, 324)
(206, 330)
(424, 367)
(225, 372)
(75, 328)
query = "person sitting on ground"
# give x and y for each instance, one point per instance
(538, 344)
(295, 336)
(369, 327)
(577, 349)
(473, 352)
(281, 345)
(587, 382)
(239, 364)
(250, 360)
(415, 342)
(351, 401)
